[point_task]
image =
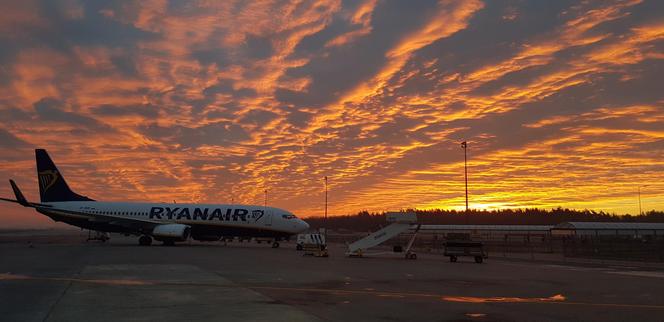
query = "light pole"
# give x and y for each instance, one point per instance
(640, 211)
(464, 146)
(325, 221)
(265, 198)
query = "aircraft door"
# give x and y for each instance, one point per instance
(268, 217)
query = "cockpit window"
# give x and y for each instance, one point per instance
(288, 216)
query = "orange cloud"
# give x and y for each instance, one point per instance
(450, 18)
(182, 100)
(362, 17)
(15, 20)
(633, 49)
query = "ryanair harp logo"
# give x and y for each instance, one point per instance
(47, 179)
(256, 214)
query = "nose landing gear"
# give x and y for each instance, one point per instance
(275, 244)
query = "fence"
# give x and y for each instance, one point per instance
(597, 247)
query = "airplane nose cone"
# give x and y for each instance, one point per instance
(304, 225)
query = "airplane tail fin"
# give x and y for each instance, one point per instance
(52, 185)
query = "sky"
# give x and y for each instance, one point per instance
(561, 103)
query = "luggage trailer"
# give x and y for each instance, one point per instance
(459, 248)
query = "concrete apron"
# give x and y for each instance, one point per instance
(159, 293)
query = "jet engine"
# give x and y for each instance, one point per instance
(173, 232)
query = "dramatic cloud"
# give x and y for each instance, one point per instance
(561, 101)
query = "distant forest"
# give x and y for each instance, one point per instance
(365, 221)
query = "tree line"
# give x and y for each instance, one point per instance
(366, 221)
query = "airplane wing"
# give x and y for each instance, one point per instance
(129, 223)
(10, 200)
(135, 224)
(20, 199)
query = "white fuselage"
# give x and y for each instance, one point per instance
(223, 216)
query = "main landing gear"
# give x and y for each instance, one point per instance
(145, 240)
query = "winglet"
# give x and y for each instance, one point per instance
(20, 199)
(19, 195)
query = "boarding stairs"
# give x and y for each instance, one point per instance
(401, 222)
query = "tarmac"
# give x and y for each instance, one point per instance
(60, 277)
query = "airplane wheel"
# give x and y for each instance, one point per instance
(275, 245)
(145, 240)
(479, 259)
(453, 259)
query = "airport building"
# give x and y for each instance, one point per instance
(488, 232)
(599, 229)
(613, 240)
(642, 241)
(562, 230)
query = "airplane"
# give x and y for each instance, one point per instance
(165, 222)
